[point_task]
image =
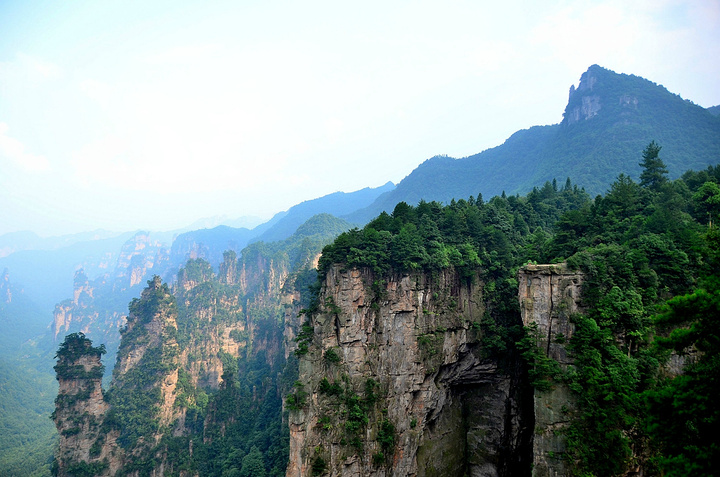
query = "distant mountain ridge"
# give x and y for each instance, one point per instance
(607, 122)
(283, 225)
(211, 243)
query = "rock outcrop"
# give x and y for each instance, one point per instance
(549, 295)
(397, 382)
(5, 292)
(143, 388)
(80, 407)
(181, 346)
(586, 103)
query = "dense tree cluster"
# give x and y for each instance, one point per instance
(465, 234)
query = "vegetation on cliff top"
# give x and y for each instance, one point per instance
(465, 234)
(74, 347)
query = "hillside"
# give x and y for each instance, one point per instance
(437, 342)
(283, 225)
(608, 120)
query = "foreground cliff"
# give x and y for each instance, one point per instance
(549, 296)
(397, 381)
(402, 378)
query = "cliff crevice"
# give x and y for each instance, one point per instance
(405, 353)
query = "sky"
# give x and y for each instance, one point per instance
(127, 115)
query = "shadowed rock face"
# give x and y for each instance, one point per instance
(453, 409)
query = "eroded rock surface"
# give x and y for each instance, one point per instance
(453, 409)
(549, 295)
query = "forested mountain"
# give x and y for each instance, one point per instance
(338, 204)
(26, 385)
(210, 244)
(608, 119)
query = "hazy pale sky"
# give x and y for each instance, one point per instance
(152, 114)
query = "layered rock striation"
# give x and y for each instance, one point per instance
(549, 295)
(396, 381)
(80, 407)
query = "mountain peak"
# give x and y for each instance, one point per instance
(584, 102)
(616, 97)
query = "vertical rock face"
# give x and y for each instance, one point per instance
(94, 434)
(586, 105)
(396, 382)
(79, 313)
(80, 406)
(137, 257)
(549, 295)
(177, 349)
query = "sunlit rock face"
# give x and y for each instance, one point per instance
(549, 295)
(79, 408)
(409, 349)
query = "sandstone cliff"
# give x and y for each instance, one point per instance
(549, 295)
(399, 378)
(179, 369)
(397, 382)
(80, 407)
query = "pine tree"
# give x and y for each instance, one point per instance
(654, 172)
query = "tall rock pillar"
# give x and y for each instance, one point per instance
(80, 407)
(549, 295)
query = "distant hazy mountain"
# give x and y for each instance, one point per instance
(283, 225)
(247, 222)
(714, 110)
(211, 243)
(25, 240)
(45, 275)
(608, 121)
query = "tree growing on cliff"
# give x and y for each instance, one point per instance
(684, 411)
(75, 346)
